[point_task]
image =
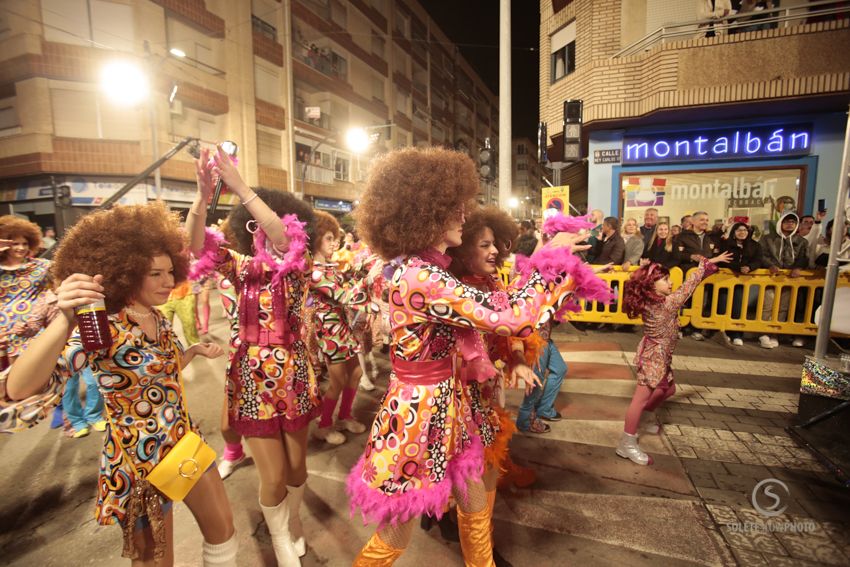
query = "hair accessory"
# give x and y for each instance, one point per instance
(252, 226)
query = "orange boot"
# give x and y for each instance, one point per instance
(377, 553)
(475, 538)
(518, 475)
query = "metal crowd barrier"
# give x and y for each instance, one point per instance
(726, 301)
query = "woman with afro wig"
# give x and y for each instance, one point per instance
(130, 258)
(421, 449)
(23, 278)
(272, 393)
(649, 294)
(332, 297)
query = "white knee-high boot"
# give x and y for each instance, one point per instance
(220, 554)
(374, 366)
(296, 530)
(277, 520)
(365, 383)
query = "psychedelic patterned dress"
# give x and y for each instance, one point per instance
(19, 289)
(138, 379)
(654, 356)
(421, 443)
(270, 385)
(331, 297)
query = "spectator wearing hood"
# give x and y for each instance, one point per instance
(746, 257)
(782, 250)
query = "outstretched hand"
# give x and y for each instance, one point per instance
(207, 350)
(204, 177)
(569, 240)
(724, 258)
(226, 170)
(523, 372)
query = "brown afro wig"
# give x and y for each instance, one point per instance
(505, 231)
(12, 226)
(325, 223)
(282, 203)
(120, 244)
(411, 196)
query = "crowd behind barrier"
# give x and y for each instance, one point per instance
(725, 289)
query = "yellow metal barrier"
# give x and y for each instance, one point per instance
(725, 287)
(753, 290)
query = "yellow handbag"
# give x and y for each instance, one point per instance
(182, 467)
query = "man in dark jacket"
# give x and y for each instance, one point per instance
(611, 248)
(782, 250)
(696, 243)
(650, 221)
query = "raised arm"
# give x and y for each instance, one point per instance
(224, 168)
(33, 369)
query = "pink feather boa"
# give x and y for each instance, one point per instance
(207, 259)
(375, 506)
(294, 259)
(563, 223)
(554, 263)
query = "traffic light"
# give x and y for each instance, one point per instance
(487, 162)
(62, 196)
(572, 129)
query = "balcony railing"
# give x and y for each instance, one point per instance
(315, 173)
(322, 59)
(821, 10)
(324, 121)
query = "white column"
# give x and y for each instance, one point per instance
(504, 103)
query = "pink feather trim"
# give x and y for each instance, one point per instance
(554, 263)
(208, 259)
(295, 257)
(377, 507)
(564, 223)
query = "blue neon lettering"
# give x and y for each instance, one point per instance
(803, 135)
(750, 140)
(729, 143)
(775, 144)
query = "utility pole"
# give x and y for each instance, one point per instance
(504, 103)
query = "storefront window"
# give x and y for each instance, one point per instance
(756, 196)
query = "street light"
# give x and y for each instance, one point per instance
(357, 140)
(124, 83)
(513, 202)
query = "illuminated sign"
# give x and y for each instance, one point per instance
(333, 205)
(736, 143)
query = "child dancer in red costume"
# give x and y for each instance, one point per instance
(648, 294)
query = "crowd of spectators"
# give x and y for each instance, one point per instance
(797, 243)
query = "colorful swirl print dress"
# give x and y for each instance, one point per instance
(421, 444)
(654, 356)
(270, 385)
(331, 298)
(19, 289)
(138, 379)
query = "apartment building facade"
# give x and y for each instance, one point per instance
(737, 117)
(284, 79)
(528, 179)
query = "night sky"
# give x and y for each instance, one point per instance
(474, 26)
